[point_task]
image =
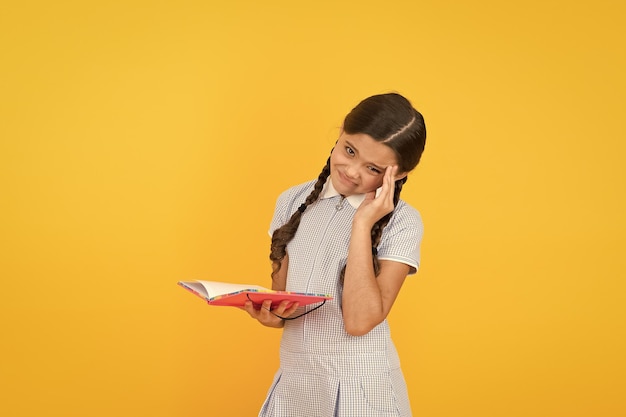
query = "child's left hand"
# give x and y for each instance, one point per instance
(375, 207)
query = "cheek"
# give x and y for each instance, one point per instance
(335, 158)
(373, 183)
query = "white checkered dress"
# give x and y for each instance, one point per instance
(325, 372)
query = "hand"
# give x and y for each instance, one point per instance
(375, 207)
(267, 316)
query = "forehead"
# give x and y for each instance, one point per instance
(368, 149)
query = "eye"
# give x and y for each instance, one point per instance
(349, 151)
(374, 170)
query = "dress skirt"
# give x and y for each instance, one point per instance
(365, 385)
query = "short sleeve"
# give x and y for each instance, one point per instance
(402, 237)
(287, 203)
(280, 216)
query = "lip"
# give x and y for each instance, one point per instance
(346, 180)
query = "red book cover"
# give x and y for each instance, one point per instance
(235, 295)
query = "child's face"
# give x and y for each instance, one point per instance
(358, 163)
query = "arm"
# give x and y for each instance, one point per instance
(367, 299)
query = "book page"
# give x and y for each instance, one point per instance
(214, 289)
(236, 295)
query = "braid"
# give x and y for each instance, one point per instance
(377, 229)
(284, 234)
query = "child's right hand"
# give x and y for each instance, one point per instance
(269, 318)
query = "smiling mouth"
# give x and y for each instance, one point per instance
(347, 180)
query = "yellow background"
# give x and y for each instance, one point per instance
(145, 142)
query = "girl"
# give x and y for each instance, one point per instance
(347, 234)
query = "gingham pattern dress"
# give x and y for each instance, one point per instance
(324, 371)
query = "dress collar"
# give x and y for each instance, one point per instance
(329, 191)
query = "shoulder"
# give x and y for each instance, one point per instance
(404, 225)
(288, 202)
(407, 216)
(296, 193)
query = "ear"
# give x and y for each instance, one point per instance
(400, 176)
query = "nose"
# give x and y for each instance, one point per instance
(351, 171)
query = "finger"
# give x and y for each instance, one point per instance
(371, 195)
(264, 310)
(292, 309)
(283, 306)
(389, 172)
(384, 187)
(392, 176)
(286, 308)
(387, 189)
(248, 307)
(261, 314)
(388, 182)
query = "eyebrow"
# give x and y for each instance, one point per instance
(357, 151)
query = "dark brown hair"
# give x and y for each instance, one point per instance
(387, 118)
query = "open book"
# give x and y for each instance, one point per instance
(235, 295)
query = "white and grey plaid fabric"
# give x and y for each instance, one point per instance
(325, 372)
